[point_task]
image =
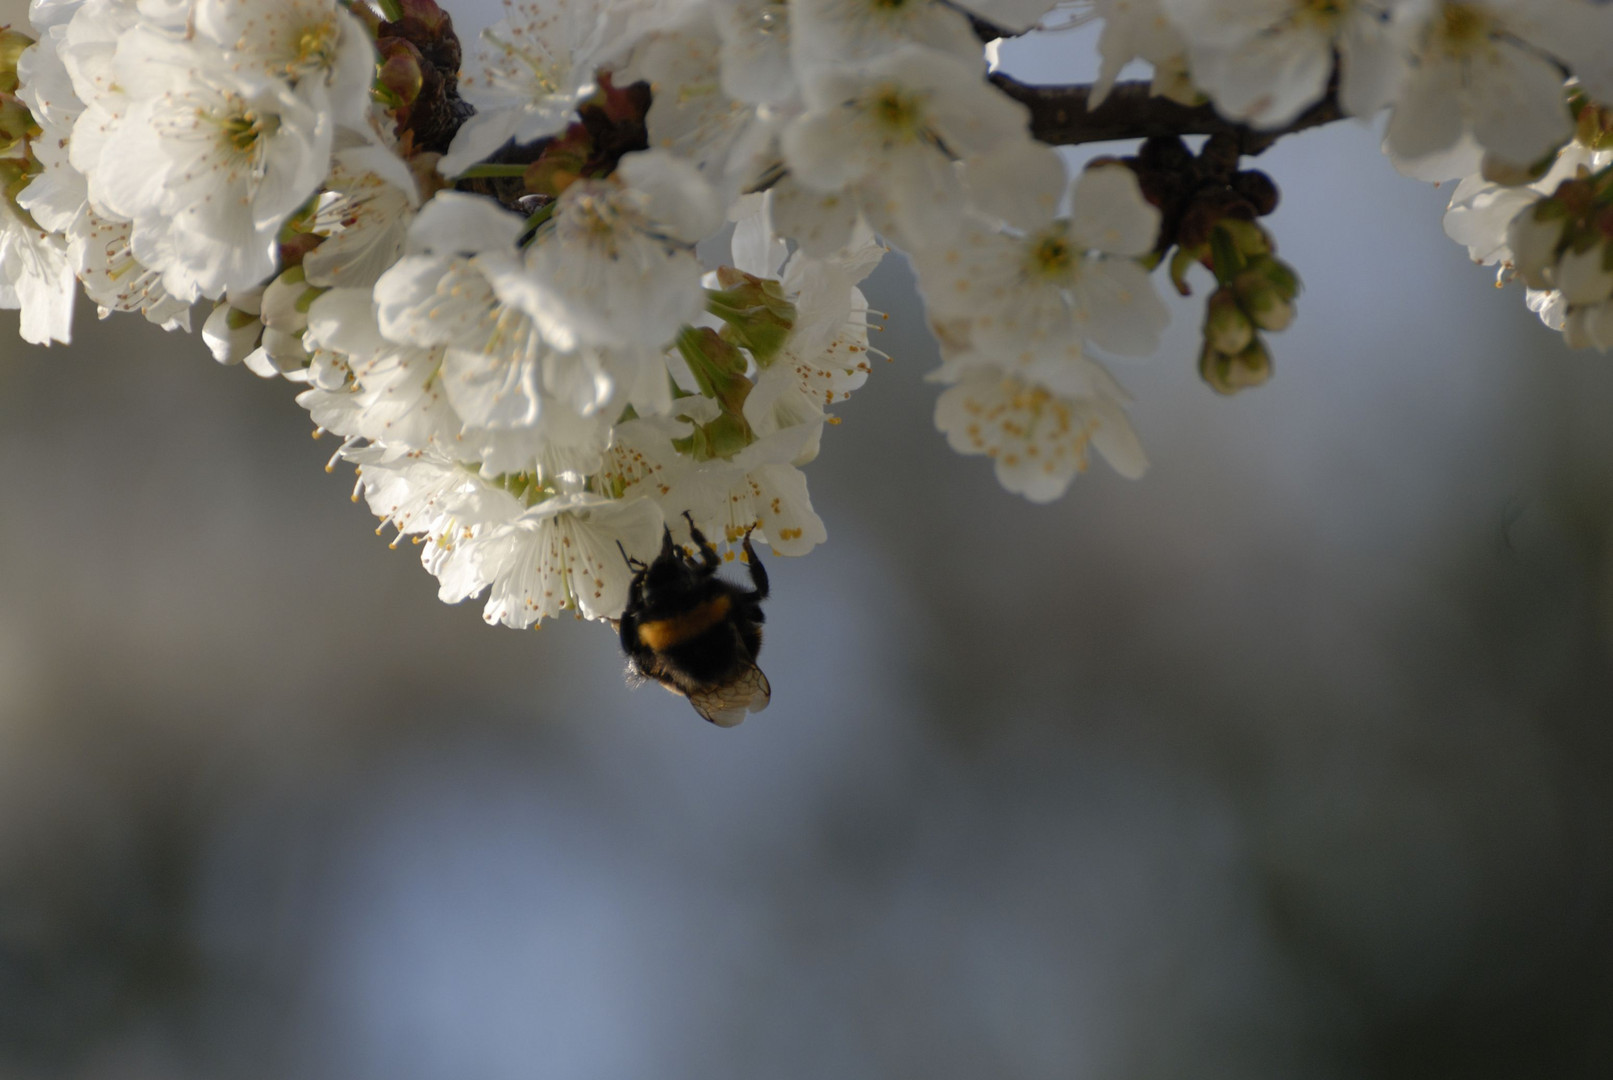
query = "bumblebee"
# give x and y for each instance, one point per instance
(694, 633)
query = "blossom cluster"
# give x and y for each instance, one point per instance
(494, 293)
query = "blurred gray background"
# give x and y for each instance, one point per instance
(1294, 759)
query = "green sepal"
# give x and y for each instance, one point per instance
(1225, 262)
(755, 313)
(718, 367)
(1182, 260)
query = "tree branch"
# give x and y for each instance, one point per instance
(1060, 117)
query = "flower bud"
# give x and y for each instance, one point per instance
(399, 79)
(16, 122)
(1250, 239)
(1227, 328)
(1266, 292)
(284, 351)
(286, 301)
(1218, 159)
(231, 333)
(12, 43)
(1258, 189)
(14, 176)
(1229, 374)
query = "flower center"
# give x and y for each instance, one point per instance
(1323, 12)
(243, 130)
(1462, 26)
(316, 46)
(531, 72)
(899, 114)
(1051, 257)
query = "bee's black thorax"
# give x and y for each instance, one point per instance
(689, 629)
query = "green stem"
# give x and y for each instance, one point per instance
(391, 9)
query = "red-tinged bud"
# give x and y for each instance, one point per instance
(422, 17)
(399, 79)
(1258, 189)
(563, 162)
(1165, 152)
(1219, 158)
(295, 246)
(431, 30)
(621, 105)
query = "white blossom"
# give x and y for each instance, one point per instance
(885, 133)
(1482, 212)
(617, 268)
(364, 215)
(114, 279)
(35, 276)
(694, 116)
(829, 33)
(755, 58)
(1026, 298)
(1266, 61)
(1481, 69)
(1038, 437)
(538, 65)
(1136, 30)
(758, 488)
(314, 45)
(216, 158)
(563, 554)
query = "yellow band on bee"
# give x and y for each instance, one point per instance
(665, 633)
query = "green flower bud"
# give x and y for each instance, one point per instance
(1227, 328)
(1266, 291)
(1247, 237)
(16, 122)
(12, 43)
(1228, 374)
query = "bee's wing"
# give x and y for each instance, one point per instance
(726, 705)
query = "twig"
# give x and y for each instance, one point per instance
(1060, 117)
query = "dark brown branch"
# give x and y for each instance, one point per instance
(1059, 116)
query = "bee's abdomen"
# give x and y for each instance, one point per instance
(684, 628)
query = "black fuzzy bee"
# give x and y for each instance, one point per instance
(694, 633)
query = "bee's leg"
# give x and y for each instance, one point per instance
(633, 564)
(758, 574)
(708, 554)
